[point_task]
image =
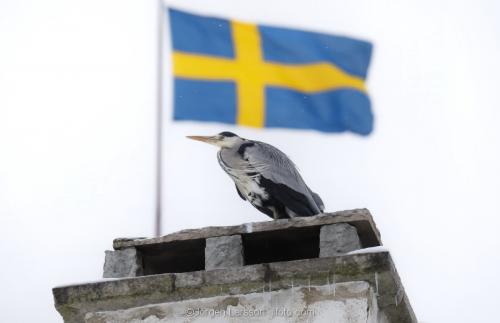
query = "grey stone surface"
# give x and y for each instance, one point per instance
(223, 252)
(359, 218)
(247, 277)
(377, 269)
(337, 239)
(190, 279)
(74, 301)
(350, 302)
(134, 297)
(122, 263)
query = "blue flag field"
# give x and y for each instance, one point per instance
(260, 76)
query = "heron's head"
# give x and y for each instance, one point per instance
(224, 139)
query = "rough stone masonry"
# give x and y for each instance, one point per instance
(300, 269)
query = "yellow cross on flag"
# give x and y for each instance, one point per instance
(258, 76)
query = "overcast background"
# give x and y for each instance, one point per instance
(77, 144)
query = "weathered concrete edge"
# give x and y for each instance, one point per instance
(343, 291)
(76, 300)
(348, 216)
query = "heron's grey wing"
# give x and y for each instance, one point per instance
(318, 200)
(281, 178)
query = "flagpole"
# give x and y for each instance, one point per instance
(159, 123)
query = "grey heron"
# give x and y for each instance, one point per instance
(264, 176)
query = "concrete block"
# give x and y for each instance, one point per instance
(190, 279)
(223, 252)
(353, 302)
(337, 239)
(237, 275)
(122, 263)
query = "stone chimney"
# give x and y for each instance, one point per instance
(327, 268)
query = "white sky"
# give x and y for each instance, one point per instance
(77, 140)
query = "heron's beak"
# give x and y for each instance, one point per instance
(207, 139)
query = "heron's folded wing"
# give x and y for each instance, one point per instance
(282, 178)
(318, 200)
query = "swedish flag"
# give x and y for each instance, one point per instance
(262, 76)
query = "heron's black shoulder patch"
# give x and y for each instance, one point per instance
(227, 134)
(244, 146)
